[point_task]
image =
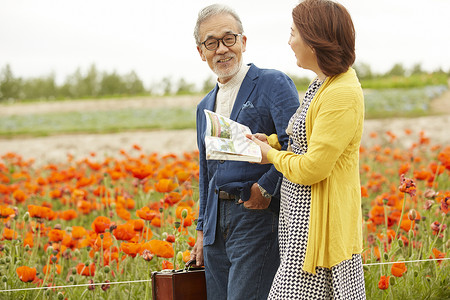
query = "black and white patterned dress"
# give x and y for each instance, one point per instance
(343, 281)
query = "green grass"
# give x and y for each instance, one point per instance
(405, 82)
(388, 103)
(96, 121)
(383, 103)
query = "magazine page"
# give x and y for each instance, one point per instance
(225, 140)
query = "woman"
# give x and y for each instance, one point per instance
(320, 218)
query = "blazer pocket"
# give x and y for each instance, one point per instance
(249, 116)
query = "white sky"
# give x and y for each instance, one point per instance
(155, 38)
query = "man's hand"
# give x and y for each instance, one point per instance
(256, 201)
(197, 250)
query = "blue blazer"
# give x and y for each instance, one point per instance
(265, 102)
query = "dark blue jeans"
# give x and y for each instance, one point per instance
(244, 258)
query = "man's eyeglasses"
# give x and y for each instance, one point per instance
(228, 40)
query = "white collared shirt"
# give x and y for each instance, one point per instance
(226, 96)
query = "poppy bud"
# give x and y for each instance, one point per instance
(60, 296)
(105, 286)
(4, 278)
(386, 256)
(77, 252)
(177, 224)
(400, 243)
(26, 216)
(91, 287)
(170, 238)
(147, 255)
(180, 257)
(412, 215)
(49, 249)
(107, 269)
(428, 204)
(391, 280)
(184, 213)
(430, 194)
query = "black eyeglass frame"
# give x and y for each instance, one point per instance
(221, 39)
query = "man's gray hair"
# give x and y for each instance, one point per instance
(214, 10)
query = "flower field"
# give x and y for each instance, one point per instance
(96, 228)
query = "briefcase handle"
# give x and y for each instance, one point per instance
(191, 263)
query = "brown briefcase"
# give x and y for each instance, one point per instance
(187, 284)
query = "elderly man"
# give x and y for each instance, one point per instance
(239, 201)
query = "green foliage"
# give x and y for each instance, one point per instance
(399, 77)
(96, 121)
(209, 84)
(95, 84)
(399, 82)
(301, 83)
(400, 102)
(9, 86)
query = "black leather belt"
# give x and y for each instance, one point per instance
(226, 196)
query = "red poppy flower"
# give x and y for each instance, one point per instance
(56, 235)
(146, 213)
(26, 274)
(100, 224)
(398, 269)
(84, 270)
(383, 284)
(124, 232)
(161, 248)
(407, 186)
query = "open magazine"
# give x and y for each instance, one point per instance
(225, 140)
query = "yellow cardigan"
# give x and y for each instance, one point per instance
(334, 125)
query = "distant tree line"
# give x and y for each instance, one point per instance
(96, 84)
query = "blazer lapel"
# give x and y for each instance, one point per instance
(211, 103)
(247, 86)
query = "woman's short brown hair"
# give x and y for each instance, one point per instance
(327, 27)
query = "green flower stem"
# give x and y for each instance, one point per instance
(36, 246)
(401, 215)
(437, 235)
(148, 282)
(45, 278)
(386, 224)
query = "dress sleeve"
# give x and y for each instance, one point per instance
(334, 127)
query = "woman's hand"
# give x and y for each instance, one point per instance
(261, 140)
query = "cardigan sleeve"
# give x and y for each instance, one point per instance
(332, 130)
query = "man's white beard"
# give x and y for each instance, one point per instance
(229, 74)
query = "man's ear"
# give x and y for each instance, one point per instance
(244, 42)
(200, 51)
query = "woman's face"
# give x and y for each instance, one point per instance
(306, 58)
